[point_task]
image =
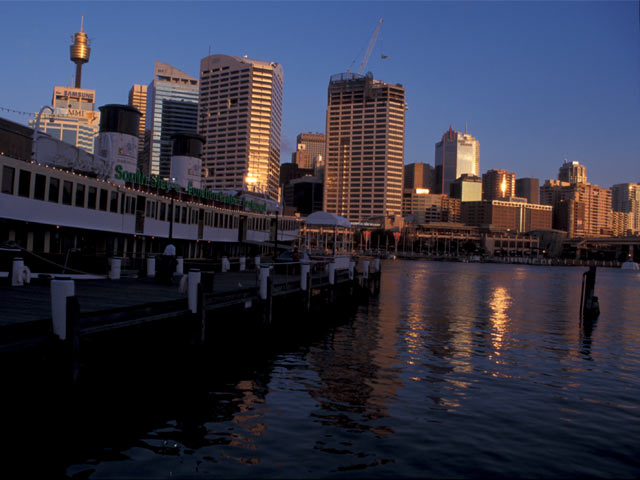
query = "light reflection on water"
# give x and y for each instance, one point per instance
(457, 370)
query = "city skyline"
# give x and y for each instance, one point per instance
(535, 82)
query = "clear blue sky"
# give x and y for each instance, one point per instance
(535, 81)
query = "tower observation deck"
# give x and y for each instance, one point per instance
(80, 52)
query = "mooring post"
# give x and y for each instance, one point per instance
(243, 264)
(304, 271)
(192, 294)
(17, 277)
(365, 274)
(151, 266)
(378, 274)
(60, 290)
(116, 268)
(256, 261)
(266, 294)
(589, 306)
(72, 342)
(226, 266)
(352, 268)
(180, 266)
(264, 276)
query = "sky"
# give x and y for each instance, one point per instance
(534, 82)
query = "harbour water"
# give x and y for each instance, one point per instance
(456, 370)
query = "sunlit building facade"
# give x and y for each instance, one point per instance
(138, 99)
(456, 153)
(626, 199)
(310, 150)
(365, 147)
(572, 172)
(172, 107)
(498, 183)
(240, 116)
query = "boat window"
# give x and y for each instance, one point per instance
(93, 195)
(24, 183)
(39, 188)
(67, 188)
(80, 188)
(8, 175)
(163, 207)
(103, 199)
(184, 214)
(54, 189)
(114, 202)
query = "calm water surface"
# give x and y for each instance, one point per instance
(456, 370)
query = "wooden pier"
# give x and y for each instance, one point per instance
(97, 306)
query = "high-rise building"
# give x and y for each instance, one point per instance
(498, 183)
(572, 172)
(428, 207)
(74, 119)
(172, 107)
(580, 209)
(310, 150)
(467, 188)
(240, 116)
(528, 188)
(365, 147)
(625, 197)
(418, 175)
(138, 99)
(456, 153)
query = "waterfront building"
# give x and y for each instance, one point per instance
(426, 207)
(304, 194)
(138, 99)
(498, 183)
(310, 150)
(418, 175)
(528, 188)
(455, 154)
(172, 107)
(572, 172)
(625, 197)
(507, 215)
(240, 116)
(467, 188)
(365, 147)
(580, 209)
(621, 224)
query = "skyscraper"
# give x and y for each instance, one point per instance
(74, 119)
(310, 150)
(172, 107)
(365, 147)
(240, 116)
(528, 188)
(498, 183)
(572, 172)
(418, 175)
(456, 153)
(138, 99)
(626, 199)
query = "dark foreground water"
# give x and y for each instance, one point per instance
(457, 370)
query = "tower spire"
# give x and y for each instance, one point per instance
(80, 51)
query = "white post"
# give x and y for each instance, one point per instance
(304, 270)
(16, 272)
(225, 264)
(180, 266)
(151, 266)
(257, 262)
(332, 272)
(352, 267)
(192, 295)
(243, 264)
(376, 264)
(60, 290)
(264, 275)
(116, 266)
(365, 269)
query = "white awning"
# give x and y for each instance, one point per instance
(327, 219)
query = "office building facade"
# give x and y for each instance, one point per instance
(427, 207)
(572, 172)
(516, 217)
(625, 198)
(240, 116)
(138, 99)
(310, 150)
(498, 183)
(172, 107)
(467, 188)
(528, 188)
(418, 175)
(365, 147)
(455, 154)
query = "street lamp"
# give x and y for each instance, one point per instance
(34, 150)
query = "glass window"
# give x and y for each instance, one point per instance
(39, 187)
(162, 211)
(103, 199)
(67, 188)
(24, 183)
(177, 216)
(54, 189)
(184, 214)
(8, 174)
(69, 136)
(93, 194)
(114, 202)
(80, 195)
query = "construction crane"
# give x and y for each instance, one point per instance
(372, 42)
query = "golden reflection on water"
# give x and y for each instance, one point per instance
(499, 304)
